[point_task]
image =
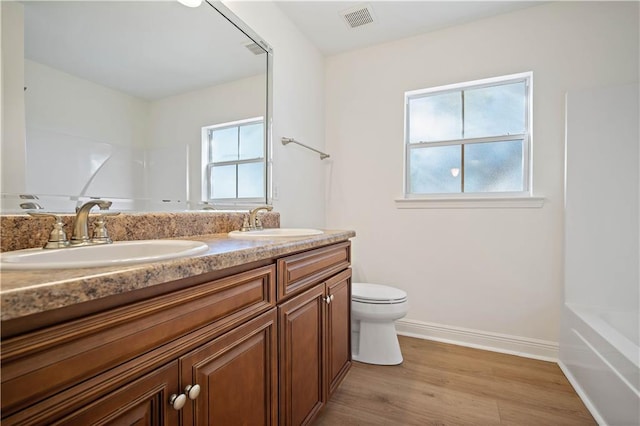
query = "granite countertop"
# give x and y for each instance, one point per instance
(28, 292)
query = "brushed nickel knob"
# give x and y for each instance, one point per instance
(332, 296)
(57, 237)
(177, 401)
(192, 391)
(327, 299)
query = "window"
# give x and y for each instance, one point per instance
(234, 162)
(470, 138)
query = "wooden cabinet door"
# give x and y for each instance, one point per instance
(338, 329)
(301, 341)
(144, 402)
(237, 374)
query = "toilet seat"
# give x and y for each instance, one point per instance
(377, 294)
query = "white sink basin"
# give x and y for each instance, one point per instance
(275, 233)
(118, 253)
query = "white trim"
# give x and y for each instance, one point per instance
(495, 342)
(470, 203)
(234, 123)
(491, 81)
(581, 393)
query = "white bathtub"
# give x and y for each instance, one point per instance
(600, 355)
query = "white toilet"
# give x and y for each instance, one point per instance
(374, 308)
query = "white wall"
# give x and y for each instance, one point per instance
(494, 271)
(13, 144)
(298, 112)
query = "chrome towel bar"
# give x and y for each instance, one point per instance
(286, 141)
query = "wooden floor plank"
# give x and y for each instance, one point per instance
(441, 384)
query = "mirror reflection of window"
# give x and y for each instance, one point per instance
(236, 163)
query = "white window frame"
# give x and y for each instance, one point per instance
(467, 199)
(207, 165)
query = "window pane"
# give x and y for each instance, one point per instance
(223, 182)
(224, 144)
(495, 110)
(435, 118)
(251, 180)
(251, 141)
(435, 170)
(493, 167)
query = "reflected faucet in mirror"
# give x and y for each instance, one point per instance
(30, 205)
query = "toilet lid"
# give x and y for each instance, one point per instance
(376, 293)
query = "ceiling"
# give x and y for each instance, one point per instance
(322, 23)
(154, 49)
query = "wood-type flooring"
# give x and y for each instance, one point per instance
(443, 384)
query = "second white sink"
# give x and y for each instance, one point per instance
(118, 253)
(275, 233)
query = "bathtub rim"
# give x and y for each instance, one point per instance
(607, 332)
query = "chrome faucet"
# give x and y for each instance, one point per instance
(254, 223)
(80, 234)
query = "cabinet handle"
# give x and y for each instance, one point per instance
(192, 391)
(327, 299)
(332, 296)
(177, 401)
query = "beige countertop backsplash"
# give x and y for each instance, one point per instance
(24, 231)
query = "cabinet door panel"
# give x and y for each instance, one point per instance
(338, 329)
(144, 402)
(237, 374)
(302, 344)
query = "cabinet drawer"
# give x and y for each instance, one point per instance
(297, 272)
(39, 364)
(137, 402)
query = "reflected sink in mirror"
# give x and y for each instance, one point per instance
(116, 254)
(275, 233)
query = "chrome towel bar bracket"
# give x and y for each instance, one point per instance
(286, 141)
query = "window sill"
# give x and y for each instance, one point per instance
(471, 203)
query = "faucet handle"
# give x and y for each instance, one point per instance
(57, 237)
(245, 224)
(100, 234)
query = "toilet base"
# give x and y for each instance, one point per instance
(377, 343)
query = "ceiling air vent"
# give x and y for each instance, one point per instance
(255, 48)
(358, 16)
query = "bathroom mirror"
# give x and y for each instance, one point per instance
(117, 98)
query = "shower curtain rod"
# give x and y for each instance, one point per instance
(286, 141)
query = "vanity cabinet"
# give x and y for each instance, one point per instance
(266, 345)
(315, 337)
(137, 353)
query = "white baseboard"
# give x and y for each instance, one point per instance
(495, 342)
